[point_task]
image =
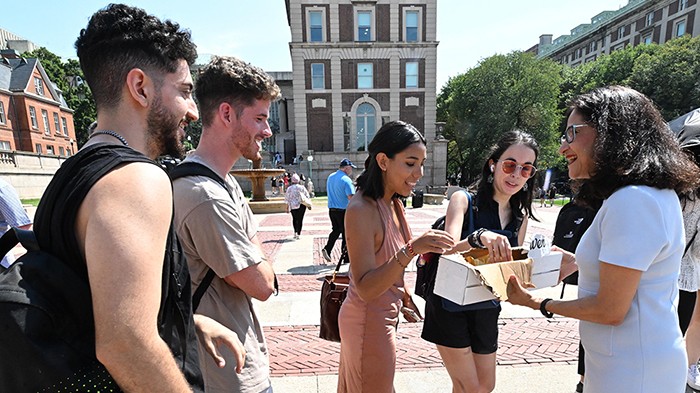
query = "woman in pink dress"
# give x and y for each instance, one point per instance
(380, 248)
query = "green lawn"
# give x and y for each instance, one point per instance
(33, 202)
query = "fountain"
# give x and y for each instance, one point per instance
(259, 203)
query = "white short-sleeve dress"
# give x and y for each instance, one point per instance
(640, 228)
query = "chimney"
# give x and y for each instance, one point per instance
(9, 54)
(545, 39)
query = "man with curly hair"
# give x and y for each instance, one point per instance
(215, 224)
(109, 207)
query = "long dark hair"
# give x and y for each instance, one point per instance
(634, 146)
(520, 202)
(394, 137)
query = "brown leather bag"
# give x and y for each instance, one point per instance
(333, 293)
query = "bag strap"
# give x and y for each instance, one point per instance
(690, 243)
(470, 228)
(190, 168)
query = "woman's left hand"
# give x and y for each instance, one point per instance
(410, 311)
(516, 293)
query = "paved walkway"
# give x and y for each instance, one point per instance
(535, 354)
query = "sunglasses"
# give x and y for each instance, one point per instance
(569, 134)
(526, 170)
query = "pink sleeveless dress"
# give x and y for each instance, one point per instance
(368, 329)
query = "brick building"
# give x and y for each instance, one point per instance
(638, 22)
(34, 116)
(356, 65)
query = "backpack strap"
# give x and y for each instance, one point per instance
(190, 168)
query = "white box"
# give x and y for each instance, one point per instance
(463, 283)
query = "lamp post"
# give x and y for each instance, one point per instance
(309, 159)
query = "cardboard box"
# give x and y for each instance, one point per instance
(463, 283)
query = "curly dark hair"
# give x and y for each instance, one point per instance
(394, 137)
(228, 79)
(119, 38)
(634, 146)
(520, 202)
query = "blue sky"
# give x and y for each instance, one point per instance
(257, 30)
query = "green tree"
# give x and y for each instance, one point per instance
(502, 93)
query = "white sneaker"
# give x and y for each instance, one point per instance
(693, 377)
(296, 236)
(325, 255)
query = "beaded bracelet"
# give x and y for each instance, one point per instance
(474, 239)
(410, 249)
(396, 257)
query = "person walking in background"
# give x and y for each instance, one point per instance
(12, 215)
(340, 189)
(380, 247)
(215, 224)
(297, 199)
(467, 336)
(627, 163)
(689, 279)
(552, 194)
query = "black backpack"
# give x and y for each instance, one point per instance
(46, 324)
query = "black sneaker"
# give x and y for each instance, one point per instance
(579, 387)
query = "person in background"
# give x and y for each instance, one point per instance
(572, 222)
(627, 163)
(310, 187)
(380, 247)
(216, 226)
(296, 197)
(467, 336)
(12, 215)
(273, 185)
(340, 189)
(689, 278)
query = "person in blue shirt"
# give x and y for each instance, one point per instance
(340, 189)
(12, 214)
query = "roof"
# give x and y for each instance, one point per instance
(22, 70)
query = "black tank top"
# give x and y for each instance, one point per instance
(54, 225)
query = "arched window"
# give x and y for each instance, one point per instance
(366, 125)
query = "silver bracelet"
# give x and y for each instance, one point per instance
(403, 250)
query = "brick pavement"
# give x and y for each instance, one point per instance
(297, 350)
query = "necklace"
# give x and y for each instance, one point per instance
(110, 133)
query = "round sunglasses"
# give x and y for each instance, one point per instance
(526, 170)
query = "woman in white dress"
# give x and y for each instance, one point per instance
(627, 162)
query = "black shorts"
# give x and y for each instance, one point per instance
(477, 329)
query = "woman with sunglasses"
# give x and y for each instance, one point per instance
(467, 336)
(627, 162)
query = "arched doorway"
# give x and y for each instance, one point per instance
(366, 117)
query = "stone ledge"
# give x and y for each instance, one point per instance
(433, 199)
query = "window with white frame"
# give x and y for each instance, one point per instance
(65, 126)
(366, 125)
(365, 75)
(37, 147)
(3, 119)
(316, 25)
(680, 28)
(39, 85)
(647, 39)
(412, 74)
(49, 150)
(364, 25)
(61, 151)
(56, 125)
(32, 117)
(412, 23)
(592, 46)
(45, 118)
(5, 145)
(620, 32)
(649, 19)
(682, 4)
(318, 77)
